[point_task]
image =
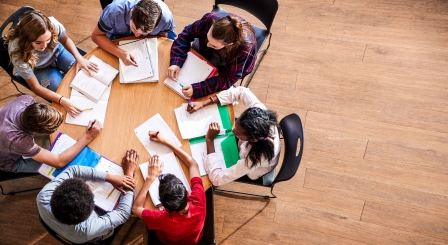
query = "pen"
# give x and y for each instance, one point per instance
(91, 125)
(157, 133)
(110, 193)
(189, 103)
(85, 109)
(51, 171)
(180, 84)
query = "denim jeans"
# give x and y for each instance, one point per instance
(28, 165)
(54, 75)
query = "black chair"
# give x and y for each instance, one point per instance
(4, 56)
(64, 241)
(263, 10)
(104, 3)
(4, 176)
(208, 236)
(292, 129)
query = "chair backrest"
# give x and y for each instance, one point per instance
(13, 20)
(292, 130)
(264, 10)
(4, 176)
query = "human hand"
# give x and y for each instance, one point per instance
(86, 65)
(196, 106)
(69, 107)
(93, 129)
(120, 182)
(128, 59)
(187, 91)
(213, 131)
(155, 168)
(156, 137)
(129, 162)
(172, 72)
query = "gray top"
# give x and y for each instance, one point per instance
(116, 18)
(95, 226)
(44, 59)
(15, 141)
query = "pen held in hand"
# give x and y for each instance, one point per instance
(189, 103)
(157, 133)
(92, 125)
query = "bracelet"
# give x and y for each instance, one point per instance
(59, 102)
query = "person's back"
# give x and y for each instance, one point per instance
(182, 218)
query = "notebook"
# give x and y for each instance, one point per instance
(195, 69)
(94, 86)
(171, 165)
(156, 123)
(92, 110)
(105, 195)
(146, 55)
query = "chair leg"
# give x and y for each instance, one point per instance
(17, 87)
(11, 193)
(246, 193)
(258, 63)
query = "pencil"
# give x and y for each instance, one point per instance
(110, 193)
(157, 133)
(91, 125)
(85, 109)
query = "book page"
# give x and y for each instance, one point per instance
(199, 151)
(97, 111)
(171, 165)
(61, 143)
(154, 57)
(106, 73)
(194, 70)
(105, 195)
(144, 68)
(88, 86)
(156, 123)
(196, 124)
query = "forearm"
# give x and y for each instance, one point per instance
(69, 154)
(105, 43)
(210, 146)
(42, 91)
(183, 156)
(71, 47)
(139, 202)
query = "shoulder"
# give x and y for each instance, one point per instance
(149, 215)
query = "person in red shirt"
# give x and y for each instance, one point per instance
(182, 218)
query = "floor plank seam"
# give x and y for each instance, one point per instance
(362, 211)
(365, 150)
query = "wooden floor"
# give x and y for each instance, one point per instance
(369, 79)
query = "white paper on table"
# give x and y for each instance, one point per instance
(196, 124)
(151, 44)
(63, 143)
(98, 111)
(171, 165)
(105, 195)
(199, 151)
(156, 123)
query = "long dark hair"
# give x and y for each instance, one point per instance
(257, 123)
(230, 29)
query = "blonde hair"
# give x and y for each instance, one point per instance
(32, 25)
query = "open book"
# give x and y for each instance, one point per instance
(171, 165)
(195, 69)
(146, 55)
(105, 195)
(94, 86)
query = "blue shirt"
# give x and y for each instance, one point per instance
(116, 18)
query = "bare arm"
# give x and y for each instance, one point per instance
(105, 43)
(81, 63)
(59, 161)
(154, 170)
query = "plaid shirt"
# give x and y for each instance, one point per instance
(231, 71)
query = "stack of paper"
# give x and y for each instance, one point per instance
(146, 55)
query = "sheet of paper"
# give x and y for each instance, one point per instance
(196, 124)
(64, 142)
(106, 73)
(98, 111)
(194, 70)
(153, 55)
(171, 165)
(105, 195)
(156, 123)
(199, 151)
(144, 68)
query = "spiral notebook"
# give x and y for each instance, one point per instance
(195, 69)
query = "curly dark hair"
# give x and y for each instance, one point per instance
(257, 123)
(172, 192)
(41, 118)
(72, 201)
(146, 15)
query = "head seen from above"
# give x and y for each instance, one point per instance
(34, 32)
(254, 125)
(144, 17)
(72, 202)
(172, 192)
(225, 32)
(41, 118)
